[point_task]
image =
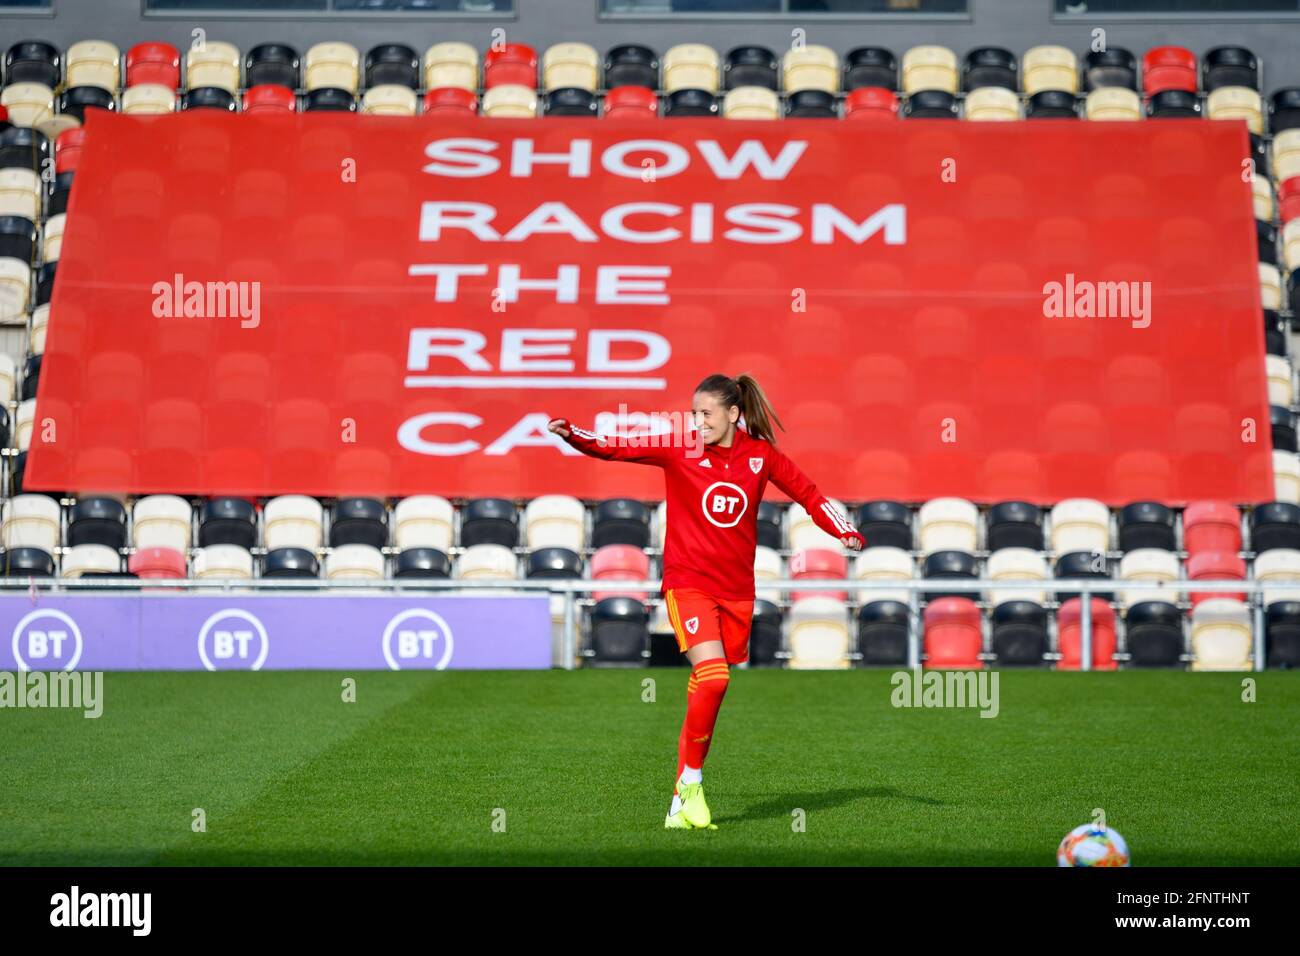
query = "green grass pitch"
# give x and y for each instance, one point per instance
(424, 768)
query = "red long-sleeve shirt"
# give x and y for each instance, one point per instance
(713, 506)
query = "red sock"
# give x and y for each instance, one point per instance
(704, 693)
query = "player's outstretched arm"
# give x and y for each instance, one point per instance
(793, 482)
(597, 446)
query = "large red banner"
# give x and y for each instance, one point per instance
(334, 304)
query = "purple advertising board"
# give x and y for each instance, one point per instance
(251, 632)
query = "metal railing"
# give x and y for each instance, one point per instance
(570, 588)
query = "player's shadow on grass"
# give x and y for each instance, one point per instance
(825, 800)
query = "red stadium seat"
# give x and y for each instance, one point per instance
(1211, 526)
(153, 63)
(1215, 565)
(819, 564)
(67, 149)
(871, 103)
(952, 634)
(1069, 631)
(631, 101)
(451, 99)
(157, 563)
(270, 99)
(1169, 68)
(514, 64)
(1288, 199)
(619, 562)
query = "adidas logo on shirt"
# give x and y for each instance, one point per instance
(705, 463)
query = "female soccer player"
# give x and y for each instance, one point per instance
(713, 491)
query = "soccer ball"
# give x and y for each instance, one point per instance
(1091, 845)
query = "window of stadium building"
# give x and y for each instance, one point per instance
(26, 4)
(660, 7)
(339, 6)
(1181, 8)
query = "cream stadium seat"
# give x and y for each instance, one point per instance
(1113, 103)
(355, 561)
(223, 561)
(214, 63)
(691, 66)
(29, 104)
(390, 100)
(83, 559)
(992, 103)
(566, 65)
(1286, 476)
(94, 63)
(424, 521)
(767, 567)
(52, 237)
(15, 287)
(161, 521)
(929, 68)
(1017, 564)
(1221, 635)
(810, 67)
(1281, 566)
(1286, 155)
(31, 521)
(1262, 195)
(292, 521)
(333, 66)
(1236, 103)
(1280, 385)
(1148, 564)
(819, 635)
(884, 564)
(486, 562)
(948, 524)
(148, 99)
(1291, 246)
(1270, 286)
(510, 101)
(555, 521)
(26, 422)
(661, 524)
(802, 532)
(451, 65)
(1080, 524)
(1049, 68)
(751, 102)
(8, 375)
(20, 193)
(40, 325)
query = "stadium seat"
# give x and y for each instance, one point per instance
(228, 521)
(292, 521)
(690, 103)
(510, 102)
(273, 65)
(29, 104)
(270, 98)
(621, 521)
(153, 563)
(554, 521)
(1146, 524)
(929, 68)
(161, 521)
(769, 525)
(1229, 66)
(1284, 111)
(487, 562)
(950, 566)
(390, 100)
(619, 632)
(1169, 68)
(422, 563)
(1153, 633)
(33, 61)
(631, 65)
(1214, 566)
(803, 532)
(223, 561)
(451, 65)
(355, 561)
(153, 64)
(660, 524)
(1282, 635)
(24, 562)
(1052, 104)
(97, 521)
(990, 67)
(1221, 635)
(751, 102)
(619, 562)
(1049, 68)
(333, 66)
(1074, 565)
(818, 564)
(571, 65)
(148, 99)
(209, 98)
(1069, 635)
(1148, 564)
(489, 521)
(871, 103)
(882, 633)
(1286, 477)
(992, 103)
(1274, 524)
(451, 100)
(571, 101)
(765, 635)
(750, 65)
(1279, 566)
(358, 521)
(1017, 564)
(948, 524)
(91, 560)
(1237, 103)
(94, 63)
(886, 524)
(953, 636)
(1015, 524)
(931, 104)
(1018, 634)
(819, 635)
(1214, 526)
(883, 564)
(867, 67)
(1278, 371)
(811, 104)
(510, 64)
(691, 66)
(392, 64)
(810, 67)
(1111, 67)
(631, 102)
(767, 567)
(290, 562)
(31, 521)
(213, 64)
(1112, 103)
(1080, 524)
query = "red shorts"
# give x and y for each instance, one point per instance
(698, 617)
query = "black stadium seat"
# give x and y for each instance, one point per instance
(28, 562)
(228, 521)
(769, 525)
(1019, 634)
(621, 521)
(394, 64)
(359, 521)
(950, 566)
(290, 563)
(571, 101)
(886, 524)
(811, 104)
(1174, 104)
(1229, 66)
(882, 633)
(328, 98)
(489, 521)
(23, 148)
(272, 64)
(750, 66)
(34, 61)
(1154, 634)
(45, 281)
(18, 238)
(1282, 424)
(1015, 524)
(1146, 524)
(31, 376)
(618, 631)
(1282, 634)
(76, 100)
(1114, 66)
(1284, 111)
(631, 64)
(870, 66)
(765, 635)
(1266, 241)
(688, 103)
(1083, 564)
(209, 98)
(931, 104)
(59, 195)
(1052, 104)
(990, 66)
(423, 563)
(554, 563)
(97, 521)
(1275, 524)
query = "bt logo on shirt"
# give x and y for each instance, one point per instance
(724, 504)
